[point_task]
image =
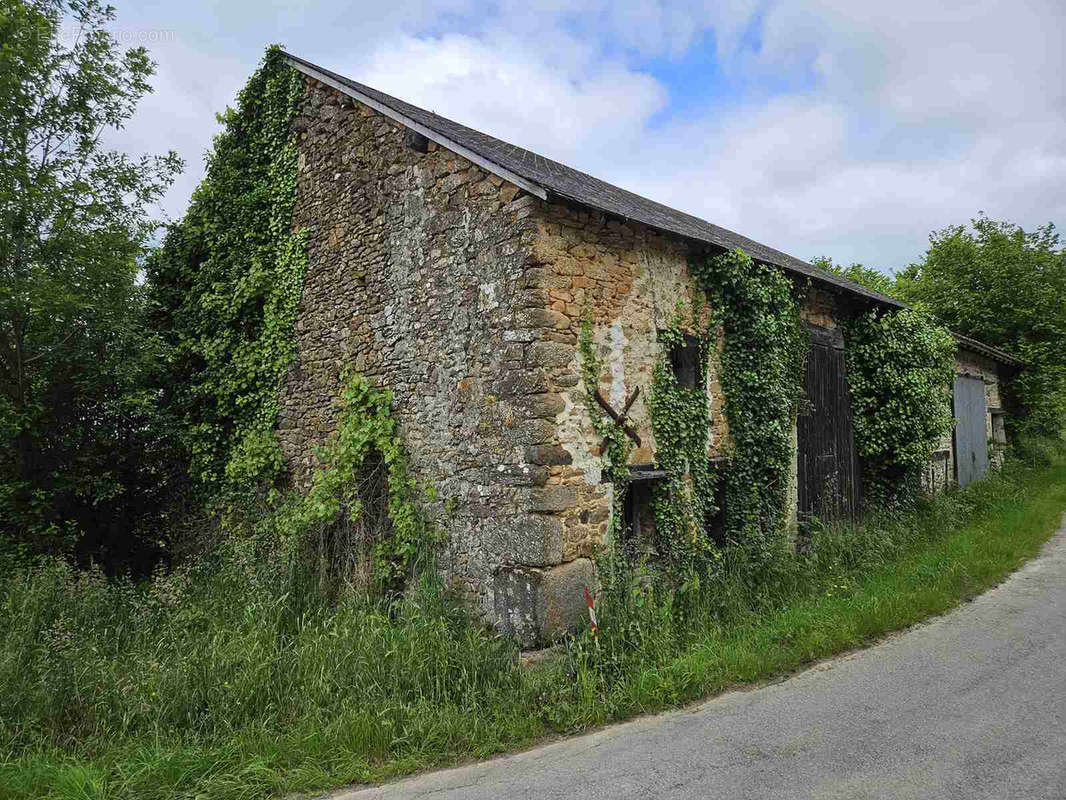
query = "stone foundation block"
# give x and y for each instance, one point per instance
(539, 605)
(561, 603)
(530, 540)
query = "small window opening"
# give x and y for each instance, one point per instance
(638, 515)
(999, 427)
(415, 141)
(685, 361)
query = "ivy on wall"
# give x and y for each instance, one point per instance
(683, 503)
(225, 287)
(900, 367)
(362, 499)
(761, 379)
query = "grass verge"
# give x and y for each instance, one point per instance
(213, 687)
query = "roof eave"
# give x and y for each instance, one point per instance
(335, 81)
(987, 350)
(833, 283)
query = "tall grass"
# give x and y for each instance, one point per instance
(220, 681)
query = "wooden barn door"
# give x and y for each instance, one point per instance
(829, 482)
(971, 433)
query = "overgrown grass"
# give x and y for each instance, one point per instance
(214, 682)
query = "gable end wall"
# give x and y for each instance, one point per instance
(419, 277)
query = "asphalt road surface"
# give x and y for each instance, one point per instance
(970, 705)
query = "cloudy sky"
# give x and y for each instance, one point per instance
(827, 127)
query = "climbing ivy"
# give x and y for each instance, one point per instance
(225, 287)
(367, 440)
(761, 377)
(225, 291)
(900, 367)
(683, 503)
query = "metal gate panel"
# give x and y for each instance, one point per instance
(829, 483)
(971, 432)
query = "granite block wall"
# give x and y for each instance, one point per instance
(421, 276)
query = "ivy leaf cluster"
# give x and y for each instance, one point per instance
(683, 503)
(366, 430)
(761, 378)
(226, 284)
(900, 366)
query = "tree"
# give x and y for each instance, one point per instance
(869, 277)
(79, 450)
(1006, 287)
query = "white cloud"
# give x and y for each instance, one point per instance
(516, 93)
(913, 115)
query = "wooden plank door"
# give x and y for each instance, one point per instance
(829, 480)
(971, 432)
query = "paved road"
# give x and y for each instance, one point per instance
(972, 705)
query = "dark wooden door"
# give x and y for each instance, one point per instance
(829, 482)
(971, 432)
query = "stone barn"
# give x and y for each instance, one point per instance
(455, 268)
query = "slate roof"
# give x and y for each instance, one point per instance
(561, 181)
(568, 183)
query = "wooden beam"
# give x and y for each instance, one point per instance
(620, 419)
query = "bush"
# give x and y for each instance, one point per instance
(1036, 451)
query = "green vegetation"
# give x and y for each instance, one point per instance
(358, 526)
(869, 277)
(209, 682)
(178, 621)
(683, 504)
(900, 368)
(762, 381)
(86, 464)
(1002, 285)
(1005, 287)
(225, 286)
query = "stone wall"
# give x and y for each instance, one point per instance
(632, 279)
(420, 276)
(465, 297)
(823, 308)
(976, 365)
